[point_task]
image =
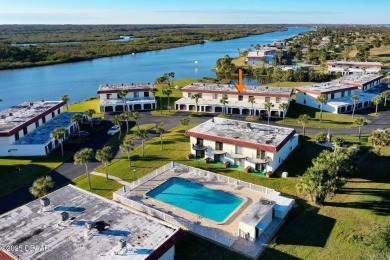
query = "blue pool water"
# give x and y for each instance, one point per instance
(212, 204)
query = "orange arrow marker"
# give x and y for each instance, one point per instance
(240, 86)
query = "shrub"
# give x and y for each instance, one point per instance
(321, 137)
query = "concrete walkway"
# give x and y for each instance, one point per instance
(125, 183)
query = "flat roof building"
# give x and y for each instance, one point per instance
(253, 146)
(237, 102)
(139, 97)
(80, 225)
(348, 67)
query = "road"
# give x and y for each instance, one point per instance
(65, 173)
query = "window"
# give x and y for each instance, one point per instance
(278, 100)
(304, 93)
(53, 114)
(260, 154)
(199, 141)
(37, 124)
(332, 96)
(43, 120)
(25, 131)
(304, 101)
(215, 96)
(342, 94)
(189, 95)
(146, 94)
(109, 96)
(238, 149)
(136, 94)
(349, 92)
(267, 99)
(58, 111)
(17, 136)
(240, 98)
(218, 146)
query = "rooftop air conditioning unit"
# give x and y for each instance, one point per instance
(10, 114)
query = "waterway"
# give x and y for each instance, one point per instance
(81, 79)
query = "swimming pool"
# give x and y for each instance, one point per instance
(212, 204)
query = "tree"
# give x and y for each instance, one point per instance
(160, 130)
(283, 106)
(59, 134)
(339, 142)
(135, 116)
(385, 95)
(224, 101)
(66, 99)
(304, 120)
(82, 157)
(277, 75)
(379, 139)
(116, 120)
(40, 185)
(354, 98)
(160, 81)
(126, 147)
(327, 175)
(122, 94)
(168, 92)
(321, 99)
(185, 121)
(376, 100)
(360, 122)
(126, 116)
(171, 75)
(77, 118)
(143, 135)
(252, 100)
(196, 97)
(154, 91)
(268, 105)
(105, 156)
(90, 112)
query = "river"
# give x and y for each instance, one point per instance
(81, 79)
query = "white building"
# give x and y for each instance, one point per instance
(258, 146)
(237, 102)
(25, 129)
(256, 57)
(348, 67)
(339, 93)
(139, 97)
(81, 225)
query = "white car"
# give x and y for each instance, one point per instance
(113, 130)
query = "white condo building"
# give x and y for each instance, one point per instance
(258, 146)
(138, 98)
(237, 102)
(25, 129)
(348, 67)
(340, 91)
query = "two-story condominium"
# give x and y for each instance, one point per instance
(237, 102)
(260, 147)
(256, 57)
(25, 129)
(138, 97)
(339, 93)
(348, 67)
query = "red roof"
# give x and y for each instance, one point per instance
(266, 94)
(305, 90)
(4, 255)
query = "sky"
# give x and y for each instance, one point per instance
(194, 11)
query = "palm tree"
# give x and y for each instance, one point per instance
(66, 99)
(40, 185)
(339, 142)
(185, 121)
(122, 94)
(196, 97)
(116, 120)
(168, 92)
(126, 116)
(77, 118)
(105, 156)
(354, 98)
(143, 135)
(90, 112)
(322, 99)
(268, 106)
(252, 100)
(154, 91)
(126, 147)
(283, 106)
(160, 81)
(376, 100)
(83, 157)
(224, 101)
(379, 139)
(385, 95)
(360, 122)
(160, 129)
(135, 116)
(59, 134)
(172, 76)
(304, 120)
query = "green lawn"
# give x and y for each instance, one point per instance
(84, 105)
(117, 140)
(31, 168)
(100, 185)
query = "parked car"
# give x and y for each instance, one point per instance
(113, 130)
(81, 134)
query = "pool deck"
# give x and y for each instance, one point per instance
(230, 225)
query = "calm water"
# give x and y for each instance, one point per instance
(81, 79)
(212, 204)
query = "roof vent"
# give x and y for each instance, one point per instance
(89, 225)
(268, 141)
(64, 216)
(248, 125)
(122, 243)
(45, 201)
(10, 114)
(3, 116)
(31, 104)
